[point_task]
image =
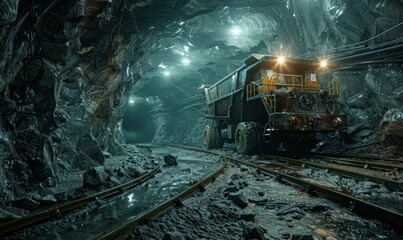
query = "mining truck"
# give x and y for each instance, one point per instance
(273, 102)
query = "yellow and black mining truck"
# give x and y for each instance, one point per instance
(271, 102)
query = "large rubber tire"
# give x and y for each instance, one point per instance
(212, 138)
(246, 138)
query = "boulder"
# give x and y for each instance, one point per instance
(61, 196)
(239, 199)
(95, 177)
(114, 181)
(259, 200)
(253, 232)
(121, 172)
(170, 160)
(289, 210)
(248, 215)
(46, 191)
(47, 200)
(133, 173)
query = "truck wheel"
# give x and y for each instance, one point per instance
(211, 137)
(245, 137)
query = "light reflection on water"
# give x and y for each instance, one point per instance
(171, 181)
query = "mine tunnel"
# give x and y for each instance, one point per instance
(196, 119)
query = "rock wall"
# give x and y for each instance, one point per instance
(63, 105)
(368, 94)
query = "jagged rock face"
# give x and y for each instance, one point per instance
(8, 11)
(368, 94)
(69, 107)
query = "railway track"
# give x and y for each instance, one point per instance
(355, 204)
(125, 230)
(129, 204)
(58, 211)
(393, 184)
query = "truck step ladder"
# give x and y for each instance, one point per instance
(269, 102)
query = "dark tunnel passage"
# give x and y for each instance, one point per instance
(138, 127)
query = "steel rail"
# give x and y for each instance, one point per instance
(125, 230)
(361, 157)
(360, 206)
(387, 182)
(55, 212)
(364, 164)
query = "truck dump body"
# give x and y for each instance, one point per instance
(281, 95)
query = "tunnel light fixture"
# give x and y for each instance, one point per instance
(131, 101)
(167, 73)
(236, 31)
(186, 61)
(162, 66)
(186, 48)
(323, 63)
(281, 59)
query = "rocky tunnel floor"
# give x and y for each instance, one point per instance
(75, 183)
(178, 172)
(243, 204)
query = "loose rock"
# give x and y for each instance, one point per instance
(240, 200)
(248, 215)
(170, 160)
(253, 232)
(95, 177)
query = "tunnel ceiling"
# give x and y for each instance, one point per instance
(201, 41)
(183, 45)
